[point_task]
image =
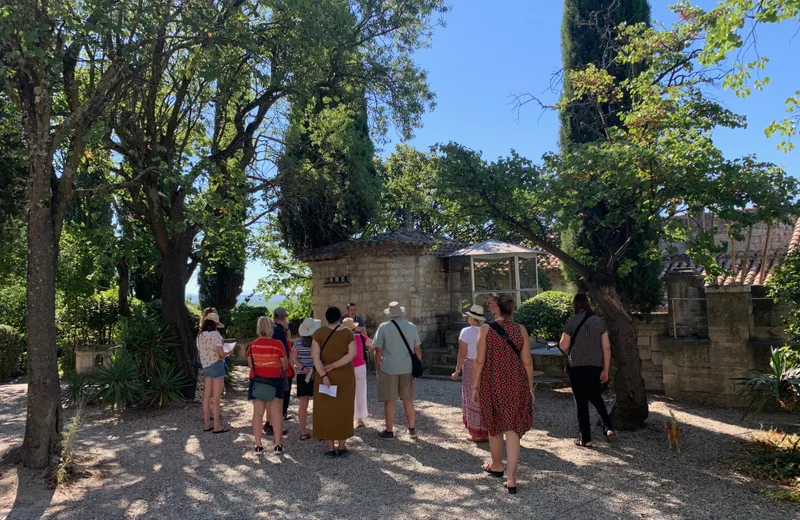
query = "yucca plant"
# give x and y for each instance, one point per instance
(79, 391)
(782, 384)
(164, 385)
(118, 383)
(148, 340)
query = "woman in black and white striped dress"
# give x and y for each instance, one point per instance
(587, 347)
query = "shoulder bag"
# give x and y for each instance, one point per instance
(572, 339)
(416, 364)
(280, 384)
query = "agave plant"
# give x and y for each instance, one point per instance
(148, 340)
(79, 391)
(782, 384)
(118, 383)
(164, 385)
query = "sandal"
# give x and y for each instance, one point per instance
(580, 443)
(224, 430)
(611, 436)
(208, 429)
(511, 490)
(331, 454)
(488, 469)
(305, 437)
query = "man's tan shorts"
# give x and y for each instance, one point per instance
(392, 387)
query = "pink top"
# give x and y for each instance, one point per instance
(359, 359)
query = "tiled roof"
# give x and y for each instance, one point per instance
(783, 239)
(397, 241)
(487, 248)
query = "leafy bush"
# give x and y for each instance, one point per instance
(10, 351)
(118, 383)
(544, 314)
(242, 321)
(164, 385)
(148, 341)
(12, 305)
(79, 391)
(782, 384)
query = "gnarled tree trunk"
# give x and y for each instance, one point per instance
(630, 410)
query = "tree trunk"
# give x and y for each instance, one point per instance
(124, 273)
(630, 410)
(175, 314)
(44, 421)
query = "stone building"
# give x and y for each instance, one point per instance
(404, 266)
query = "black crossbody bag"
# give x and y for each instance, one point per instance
(416, 364)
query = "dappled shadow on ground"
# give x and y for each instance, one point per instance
(160, 464)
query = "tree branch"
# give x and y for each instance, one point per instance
(114, 187)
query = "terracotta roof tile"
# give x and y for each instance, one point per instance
(783, 240)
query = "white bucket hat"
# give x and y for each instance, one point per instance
(394, 310)
(476, 313)
(309, 326)
(349, 323)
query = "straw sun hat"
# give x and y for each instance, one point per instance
(475, 312)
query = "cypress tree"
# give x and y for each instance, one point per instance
(329, 185)
(587, 33)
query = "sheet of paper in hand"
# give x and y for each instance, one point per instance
(228, 347)
(328, 390)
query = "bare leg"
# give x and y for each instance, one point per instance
(208, 388)
(258, 416)
(276, 413)
(408, 405)
(388, 411)
(218, 386)
(341, 445)
(330, 445)
(512, 453)
(496, 450)
(303, 415)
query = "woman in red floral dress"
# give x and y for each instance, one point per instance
(503, 385)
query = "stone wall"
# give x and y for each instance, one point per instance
(651, 330)
(373, 280)
(697, 356)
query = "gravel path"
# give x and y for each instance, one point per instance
(160, 464)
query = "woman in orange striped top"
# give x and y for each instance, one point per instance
(267, 360)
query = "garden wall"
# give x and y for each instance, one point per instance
(716, 334)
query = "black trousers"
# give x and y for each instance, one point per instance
(586, 388)
(287, 395)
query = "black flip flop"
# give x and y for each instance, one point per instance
(224, 430)
(498, 474)
(208, 429)
(511, 490)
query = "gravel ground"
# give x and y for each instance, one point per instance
(160, 464)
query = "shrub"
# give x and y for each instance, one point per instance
(10, 351)
(781, 385)
(79, 391)
(544, 314)
(118, 383)
(242, 321)
(148, 341)
(12, 305)
(164, 385)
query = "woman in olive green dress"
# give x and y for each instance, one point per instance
(333, 349)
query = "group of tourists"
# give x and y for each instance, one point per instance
(330, 363)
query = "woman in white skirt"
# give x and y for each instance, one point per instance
(360, 366)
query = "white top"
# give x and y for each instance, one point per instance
(469, 335)
(207, 343)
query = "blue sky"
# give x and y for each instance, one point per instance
(485, 54)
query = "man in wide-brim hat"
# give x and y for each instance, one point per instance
(392, 343)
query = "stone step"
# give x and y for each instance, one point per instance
(442, 370)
